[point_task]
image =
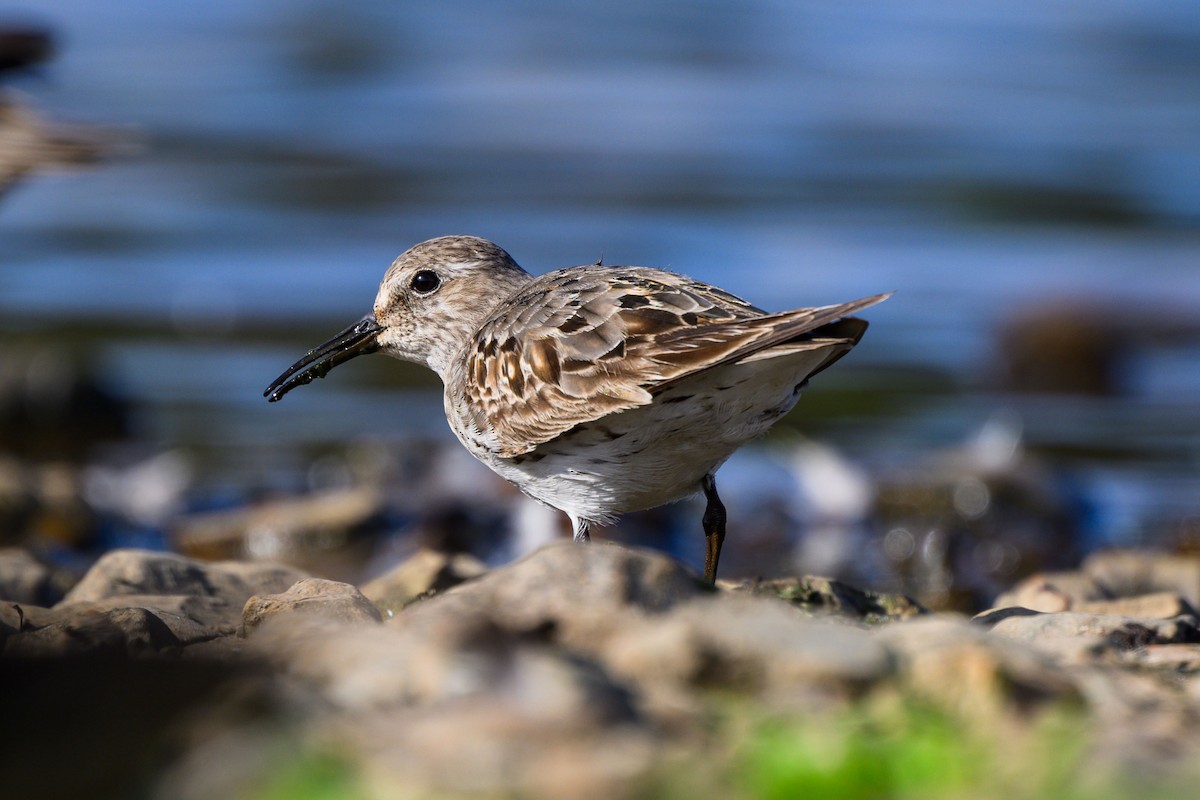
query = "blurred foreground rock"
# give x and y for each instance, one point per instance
(577, 671)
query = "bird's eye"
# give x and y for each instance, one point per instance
(425, 281)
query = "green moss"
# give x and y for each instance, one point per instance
(896, 752)
(319, 776)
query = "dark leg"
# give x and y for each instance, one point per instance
(581, 530)
(714, 527)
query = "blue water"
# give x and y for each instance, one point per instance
(979, 159)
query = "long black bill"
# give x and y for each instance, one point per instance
(359, 339)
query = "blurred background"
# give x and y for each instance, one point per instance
(1025, 176)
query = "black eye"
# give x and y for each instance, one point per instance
(425, 281)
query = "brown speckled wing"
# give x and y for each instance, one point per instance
(580, 343)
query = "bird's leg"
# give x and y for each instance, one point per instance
(581, 529)
(714, 527)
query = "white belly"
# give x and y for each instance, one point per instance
(654, 454)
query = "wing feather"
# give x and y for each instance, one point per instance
(581, 343)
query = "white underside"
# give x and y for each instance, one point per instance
(654, 454)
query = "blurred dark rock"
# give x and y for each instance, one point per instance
(1063, 348)
(25, 579)
(965, 525)
(328, 600)
(120, 632)
(320, 529)
(42, 506)
(53, 406)
(89, 726)
(144, 572)
(424, 572)
(192, 618)
(827, 595)
(1128, 573)
(23, 45)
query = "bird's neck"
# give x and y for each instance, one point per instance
(460, 332)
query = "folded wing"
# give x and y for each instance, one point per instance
(581, 343)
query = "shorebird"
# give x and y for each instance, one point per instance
(595, 389)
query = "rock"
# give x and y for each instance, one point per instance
(1160, 605)
(825, 594)
(1176, 657)
(1052, 591)
(576, 596)
(22, 46)
(191, 618)
(56, 406)
(116, 633)
(426, 571)
(25, 579)
(292, 529)
(488, 748)
(1076, 637)
(649, 623)
(958, 667)
(1065, 346)
(1127, 573)
(143, 572)
(23, 616)
(329, 600)
(747, 643)
(361, 667)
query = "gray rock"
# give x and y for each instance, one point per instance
(962, 668)
(374, 667)
(1075, 637)
(143, 572)
(577, 596)
(1052, 591)
(23, 579)
(746, 643)
(1183, 658)
(330, 600)
(300, 529)
(116, 633)
(1160, 605)
(1128, 573)
(817, 594)
(425, 572)
(191, 618)
(490, 748)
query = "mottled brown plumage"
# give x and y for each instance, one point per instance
(597, 390)
(578, 344)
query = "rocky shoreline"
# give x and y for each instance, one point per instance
(603, 671)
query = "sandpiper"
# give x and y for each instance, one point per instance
(595, 389)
